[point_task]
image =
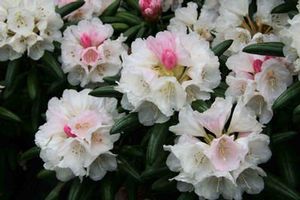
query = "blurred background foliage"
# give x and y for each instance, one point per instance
(142, 172)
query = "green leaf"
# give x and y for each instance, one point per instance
(288, 96)
(6, 114)
(125, 123)
(141, 32)
(106, 190)
(13, 68)
(70, 7)
(74, 190)
(132, 151)
(45, 174)
(276, 186)
(222, 47)
(49, 60)
(128, 169)
(120, 27)
(200, 106)
(129, 18)
(153, 172)
(287, 167)
(112, 80)
(159, 133)
(188, 196)
(111, 19)
(131, 32)
(54, 194)
(106, 91)
(292, 14)
(283, 8)
(164, 185)
(112, 8)
(267, 48)
(32, 83)
(29, 154)
(133, 3)
(281, 137)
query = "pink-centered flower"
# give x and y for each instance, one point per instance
(164, 48)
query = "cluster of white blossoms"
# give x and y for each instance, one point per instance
(28, 25)
(217, 156)
(88, 53)
(90, 9)
(76, 139)
(164, 73)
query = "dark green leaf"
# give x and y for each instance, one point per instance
(164, 185)
(6, 114)
(129, 169)
(131, 32)
(54, 194)
(276, 186)
(267, 48)
(29, 154)
(105, 91)
(188, 196)
(158, 136)
(129, 18)
(107, 189)
(112, 80)
(133, 3)
(32, 83)
(45, 174)
(11, 72)
(281, 137)
(199, 105)
(283, 8)
(74, 190)
(287, 167)
(49, 60)
(154, 172)
(70, 7)
(222, 47)
(288, 96)
(125, 123)
(112, 8)
(120, 27)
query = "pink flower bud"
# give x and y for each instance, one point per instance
(151, 9)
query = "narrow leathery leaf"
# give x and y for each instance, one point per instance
(120, 27)
(133, 3)
(128, 169)
(69, 8)
(112, 19)
(141, 32)
(167, 17)
(54, 194)
(282, 137)
(267, 48)
(125, 123)
(188, 196)
(283, 8)
(164, 185)
(222, 47)
(112, 80)
(112, 8)
(134, 151)
(49, 60)
(131, 188)
(129, 18)
(6, 114)
(297, 110)
(158, 136)
(29, 154)
(45, 174)
(131, 32)
(74, 190)
(105, 91)
(32, 83)
(199, 105)
(11, 72)
(291, 94)
(275, 185)
(154, 172)
(288, 168)
(106, 190)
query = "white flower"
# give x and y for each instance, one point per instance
(88, 55)
(186, 19)
(90, 9)
(214, 160)
(30, 26)
(75, 140)
(167, 72)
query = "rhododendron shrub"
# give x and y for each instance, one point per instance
(149, 99)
